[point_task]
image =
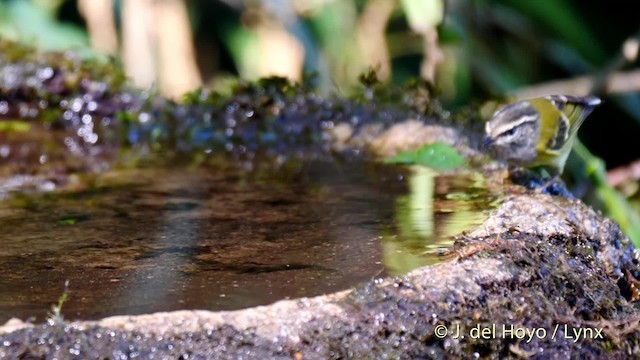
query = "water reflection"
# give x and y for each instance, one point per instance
(140, 240)
(436, 208)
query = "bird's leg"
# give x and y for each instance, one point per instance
(549, 188)
(548, 183)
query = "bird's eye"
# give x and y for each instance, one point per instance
(509, 132)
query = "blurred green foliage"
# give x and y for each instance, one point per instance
(606, 197)
(492, 47)
(37, 23)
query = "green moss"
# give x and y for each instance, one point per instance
(272, 120)
(14, 126)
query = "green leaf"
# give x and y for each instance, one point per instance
(436, 156)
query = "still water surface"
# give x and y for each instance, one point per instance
(134, 241)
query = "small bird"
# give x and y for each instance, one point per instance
(538, 132)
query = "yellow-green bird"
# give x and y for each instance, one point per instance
(538, 132)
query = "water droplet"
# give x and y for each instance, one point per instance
(92, 106)
(144, 117)
(76, 105)
(45, 74)
(5, 150)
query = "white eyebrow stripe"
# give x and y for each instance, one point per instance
(487, 127)
(560, 98)
(520, 121)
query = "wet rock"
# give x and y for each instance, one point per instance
(80, 116)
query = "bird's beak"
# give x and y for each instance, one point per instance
(487, 142)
